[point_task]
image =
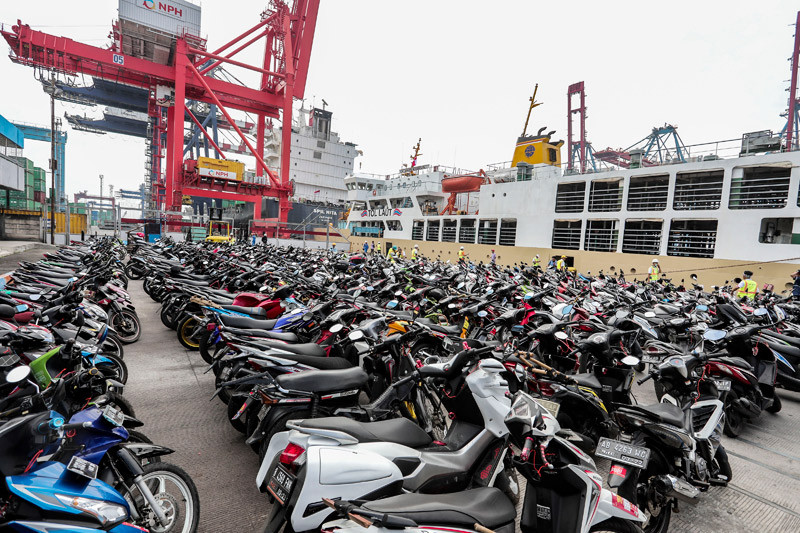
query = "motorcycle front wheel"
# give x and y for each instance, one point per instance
(174, 492)
(127, 326)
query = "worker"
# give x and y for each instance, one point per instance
(366, 247)
(654, 271)
(372, 250)
(537, 263)
(561, 264)
(461, 255)
(378, 248)
(796, 287)
(493, 257)
(748, 288)
(333, 247)
(264, 239)
(414, 252)
(391, 254)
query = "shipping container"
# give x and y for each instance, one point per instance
(175, 17)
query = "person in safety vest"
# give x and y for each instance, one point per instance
(461, 255)
(414, 252)
(378, 248)
(747, 287)
(537, 263)
(391, 254)
(561, 264)
(654, 271)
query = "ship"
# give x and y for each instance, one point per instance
(713, 213)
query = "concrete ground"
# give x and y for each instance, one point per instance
(171, 394)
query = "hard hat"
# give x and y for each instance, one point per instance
(655, 260)
(748, 273)
(394, 247)
(416, 246)
(462, 247)
(563, 257)
(537, 255)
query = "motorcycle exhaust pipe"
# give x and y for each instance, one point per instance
(746, 408)
(674, 487)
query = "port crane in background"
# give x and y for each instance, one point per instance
(41, 133)
(286, 34)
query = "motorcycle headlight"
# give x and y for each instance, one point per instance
(105, 513)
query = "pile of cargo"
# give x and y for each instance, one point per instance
(35, 186)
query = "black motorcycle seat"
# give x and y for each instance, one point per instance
(449, 330)
(734, 361)
(794, 341)
(486, 506)
(588, 380)
(252, 311)
(663, 412)
(307, 348)
(398, 430)
(191, 282)
(243, 322)
(666, 309)
(780, 347)
(314, 361)
(324, 380)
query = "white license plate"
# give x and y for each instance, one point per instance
(622, 452)
(723, 384)
(82, 467)
(553, 407)
(652, 359)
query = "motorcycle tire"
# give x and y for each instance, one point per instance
(776, 405)
(169, 317)
(234, 404)
(127, 326)
(134, 271)
(734, 421)
(185, 329)
(122, 404)
(722, 464)
(113, 346)
(207, 348)
(117, 369)
(616, 525)
(658, 523)
(157, 476)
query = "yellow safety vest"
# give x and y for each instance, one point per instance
(390, 255)
(537, 263)
(560, 264)
(655, 273)
(378, 247)
(414, 254)
(749, 290)
(461, 254)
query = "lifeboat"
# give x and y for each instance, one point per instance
(462, 184)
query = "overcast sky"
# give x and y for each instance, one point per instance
(459, 73)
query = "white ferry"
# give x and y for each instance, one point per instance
(728, 205)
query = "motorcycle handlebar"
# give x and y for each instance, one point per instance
(645, 379)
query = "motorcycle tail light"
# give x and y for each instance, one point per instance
(293, 455)
(211, 326)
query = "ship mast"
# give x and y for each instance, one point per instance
(534, 103)
(416, 153)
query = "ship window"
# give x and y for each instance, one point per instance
(417, 230)
(551, 153)
(601, 236)
(760, 188)
(433, 231)
(508, 232)
(317, 155)
(698, 190)
(778, 231)
(321, 144)
(692, 238)
(394, 225)
(642, 237)
(570, 196)
(648, 193)
(605, 195)
(466, 233)
(449, 230)
(487, 232)
(567, 234)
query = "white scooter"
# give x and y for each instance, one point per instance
(563, 493)
(344, 459)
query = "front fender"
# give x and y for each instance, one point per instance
(143, 450)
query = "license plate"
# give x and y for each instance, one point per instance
(652, 359)
(82, 467)
(622, 452)
(723, 384)
(553, 407)
(280, 485)
(113, 416)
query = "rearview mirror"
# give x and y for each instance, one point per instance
(702, 308)
(630, 360)
(336, 328)
(482, 314)
(356, 335)
(761, 311)
(714, 334)
(560, 335)
(18, 374)
(650, 314)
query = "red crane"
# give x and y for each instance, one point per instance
(286, 34)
